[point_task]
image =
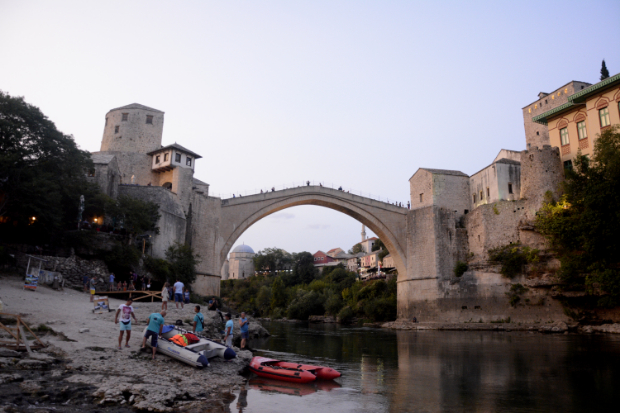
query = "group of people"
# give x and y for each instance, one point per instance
(178, 291)
(156, 322)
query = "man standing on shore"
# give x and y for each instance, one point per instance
(92, 288)
(228, 332)
(153, 331)
(85, 280)
(126, 312)
(199, 320)
(245, 329)
(178, 293)
(112, 282)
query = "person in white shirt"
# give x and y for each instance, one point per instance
(126, 312)
(178, 293)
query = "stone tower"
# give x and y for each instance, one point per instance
(132, 128)
(363, 232)
(541, 171)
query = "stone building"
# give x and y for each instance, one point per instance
(575, 125)
(133, 162)
(442, 188)
(537, 134)
(241, 262)
(500, 181)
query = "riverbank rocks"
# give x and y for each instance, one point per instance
(10, 378)
(558, 327)
(5, 352)
(607, 328)
(321, 319)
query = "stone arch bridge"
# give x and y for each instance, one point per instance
(423, 242)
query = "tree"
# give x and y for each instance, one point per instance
(183, 262)
(272, 259)
(378, 245)
(356, 249)
(278, 294)
(42, 173)
(604, 71)
(583, 226)
(304, 270)
(134, 215)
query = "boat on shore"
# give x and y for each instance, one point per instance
(196, 354)
(292, 372)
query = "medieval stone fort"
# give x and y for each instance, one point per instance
(453, 217)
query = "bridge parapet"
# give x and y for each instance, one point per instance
(313, 190)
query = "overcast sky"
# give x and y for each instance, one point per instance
(353, 93)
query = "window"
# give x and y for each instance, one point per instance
(116, 128)
(510, 188)
(488, 193)
(165, 157)
(157, 159)
(421, 197)
(149, 119)
(581, 128)
(188, 161)
(481, 195)
(106, 121)
(125, 116)
(91, 172)
(564, 136)
(604, 115)
(177, 157)
(537, 133)
(568, 164)
(474, 198)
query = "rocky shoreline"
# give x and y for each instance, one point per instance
(557, 327)
(83, 370)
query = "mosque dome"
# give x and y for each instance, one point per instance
(243, 248)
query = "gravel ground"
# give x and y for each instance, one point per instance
(86, 369)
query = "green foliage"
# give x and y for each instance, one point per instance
(334, 304)
(514, 295)
(42, 174)
(513, 258)
(582, 227)
(306, 304)
(378, 245)
(183, 263)
(135, 215)
(122, 259)
(460, 268)
(356, 249)
(304, 270)
(495, 210)
(272, 259)
(604, 71)
(329, 293)
(346, 315)
(159, 268)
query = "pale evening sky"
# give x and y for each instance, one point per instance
(353, 93)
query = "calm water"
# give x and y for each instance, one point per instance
(438, 371)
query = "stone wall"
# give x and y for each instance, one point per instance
(133, 164)
(493, 225)
(541, 171)
(107, 174)
(492, 183)
(172, 222)
(71, 268)
(446, 189)
(134, 134)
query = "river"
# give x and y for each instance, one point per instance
(437, 371)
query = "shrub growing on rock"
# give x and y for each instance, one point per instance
(346, 315)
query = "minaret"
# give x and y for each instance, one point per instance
(363, 232)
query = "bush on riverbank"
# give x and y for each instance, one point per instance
(336, 292)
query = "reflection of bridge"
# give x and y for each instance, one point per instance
(415, 238)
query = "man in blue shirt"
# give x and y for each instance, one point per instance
(245, 328)
(112, 282)
(156, 323)
(85, 280)
(228, 331)
(199, 320)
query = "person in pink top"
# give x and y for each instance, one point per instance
(126, 312)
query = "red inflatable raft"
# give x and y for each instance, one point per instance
(293, 372)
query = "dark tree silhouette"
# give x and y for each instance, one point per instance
(604, 71)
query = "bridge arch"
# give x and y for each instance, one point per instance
(386, 220)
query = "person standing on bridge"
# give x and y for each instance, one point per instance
(308, 183)
(273, 189)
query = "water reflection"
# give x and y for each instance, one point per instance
(438, 371)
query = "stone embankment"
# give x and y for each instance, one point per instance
(72, 268)
(83, 369)
(557, 327)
